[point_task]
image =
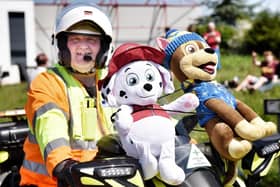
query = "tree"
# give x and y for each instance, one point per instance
(264, 34)
(228, 11)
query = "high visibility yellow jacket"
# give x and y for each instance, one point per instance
(63, 124)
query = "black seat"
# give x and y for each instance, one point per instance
(110, 145)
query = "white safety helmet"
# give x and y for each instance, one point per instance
(76, 13)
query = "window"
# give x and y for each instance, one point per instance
(17, 38)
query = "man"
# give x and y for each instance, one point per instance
(213, 38)
(63, 107)
(268, 75)
(41, 62)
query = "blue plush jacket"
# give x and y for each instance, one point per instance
(205, 91)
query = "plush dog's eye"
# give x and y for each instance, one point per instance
(150, 76)
(132, 79)
(190, 49)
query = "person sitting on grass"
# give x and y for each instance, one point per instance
(275, 81)
(268, 68)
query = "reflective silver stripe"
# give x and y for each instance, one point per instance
(32, 138)
(35, 167)
(55, 144)
(81, 144)
(75, 144)
(43, 109)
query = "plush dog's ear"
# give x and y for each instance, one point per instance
(162, 43)
(168, 86)
(107, 92)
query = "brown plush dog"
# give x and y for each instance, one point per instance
(230, 123)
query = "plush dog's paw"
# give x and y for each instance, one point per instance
(249, 131)
(185, 103)
(170, 172)
(191, 101)
(269, 127)
(123, 119)
(239, 148)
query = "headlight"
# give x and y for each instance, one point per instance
(111, 172)
(269, 149)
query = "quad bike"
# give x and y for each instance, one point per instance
(112, 168)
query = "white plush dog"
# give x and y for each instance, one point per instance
(135, 82)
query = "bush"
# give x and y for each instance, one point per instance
(264, 34)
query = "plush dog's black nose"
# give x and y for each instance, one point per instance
(148, 87)
(209, 50)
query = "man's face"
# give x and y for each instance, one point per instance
(83, 45)
(211, 26)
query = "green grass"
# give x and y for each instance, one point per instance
(241, 66)
(14, 96)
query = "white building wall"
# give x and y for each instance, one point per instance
(26, 6)
(45, 23)
(4, 39)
